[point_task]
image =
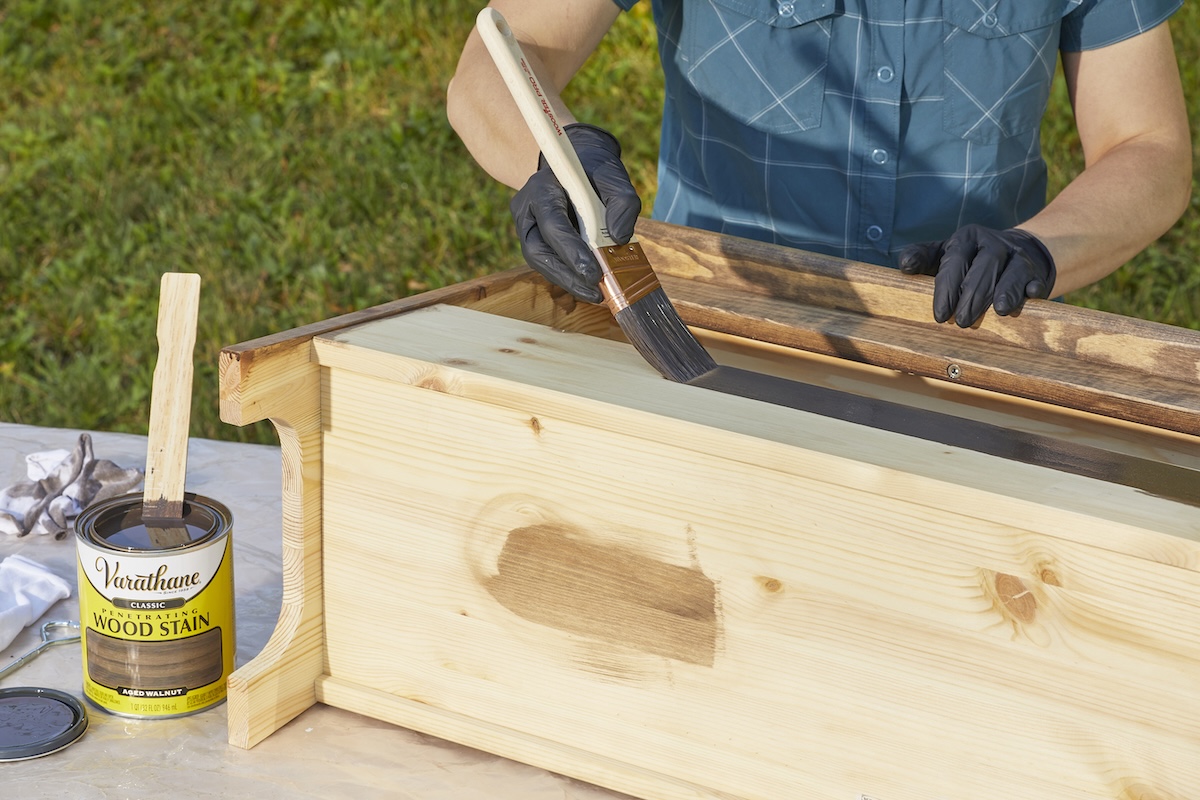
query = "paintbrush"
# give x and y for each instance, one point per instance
(630, 288)
(170, 411)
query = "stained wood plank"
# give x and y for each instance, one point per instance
(1023, 415)
(865, 289)
(1050, 377)
(1119, 366)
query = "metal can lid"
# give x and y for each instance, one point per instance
(36, 722)
(116, 524)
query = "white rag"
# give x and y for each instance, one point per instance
(27, 589)
(61, 484)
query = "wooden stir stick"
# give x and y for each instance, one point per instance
(171, 410)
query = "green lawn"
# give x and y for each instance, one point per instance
(297, 156)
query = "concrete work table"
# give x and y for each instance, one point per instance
(325, 752)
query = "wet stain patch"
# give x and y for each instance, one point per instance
(558, 576)
(1155, 478)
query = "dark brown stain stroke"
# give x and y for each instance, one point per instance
(550, 575)
(1155, 478)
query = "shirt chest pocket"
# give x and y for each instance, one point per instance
(999, 65)
(763, 62)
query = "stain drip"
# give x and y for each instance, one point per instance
(551, 575)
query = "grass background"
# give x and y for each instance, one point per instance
(296, 154)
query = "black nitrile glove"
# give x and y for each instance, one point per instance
(979, 267)
(550, 239)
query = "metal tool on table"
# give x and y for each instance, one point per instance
(47, 641)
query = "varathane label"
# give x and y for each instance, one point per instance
(158, 634)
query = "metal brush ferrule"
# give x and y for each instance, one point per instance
(627, 275)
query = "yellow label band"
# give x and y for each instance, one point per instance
(158, 628)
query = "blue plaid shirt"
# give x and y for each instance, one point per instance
(851, 127)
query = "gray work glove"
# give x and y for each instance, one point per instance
(979, 267)
(545, 218)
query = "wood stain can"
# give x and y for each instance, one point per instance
(156, 607)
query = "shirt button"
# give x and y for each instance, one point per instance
(874, 233)
(879, 156)
(786, 8)
(885, 74)
(990, 20)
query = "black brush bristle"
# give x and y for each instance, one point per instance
(653, 327)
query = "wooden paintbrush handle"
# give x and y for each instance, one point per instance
(171, 396)
(543, 121)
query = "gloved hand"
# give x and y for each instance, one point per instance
(545, 218)
(977, 267)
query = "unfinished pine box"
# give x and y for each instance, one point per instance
(676, 593)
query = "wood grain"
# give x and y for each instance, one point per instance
(171, 408)
(880, 630)
(1077, 357)
(280, 682)
(863, 313)
(501, 360)
(850, 612)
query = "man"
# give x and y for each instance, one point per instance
(899, 133)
